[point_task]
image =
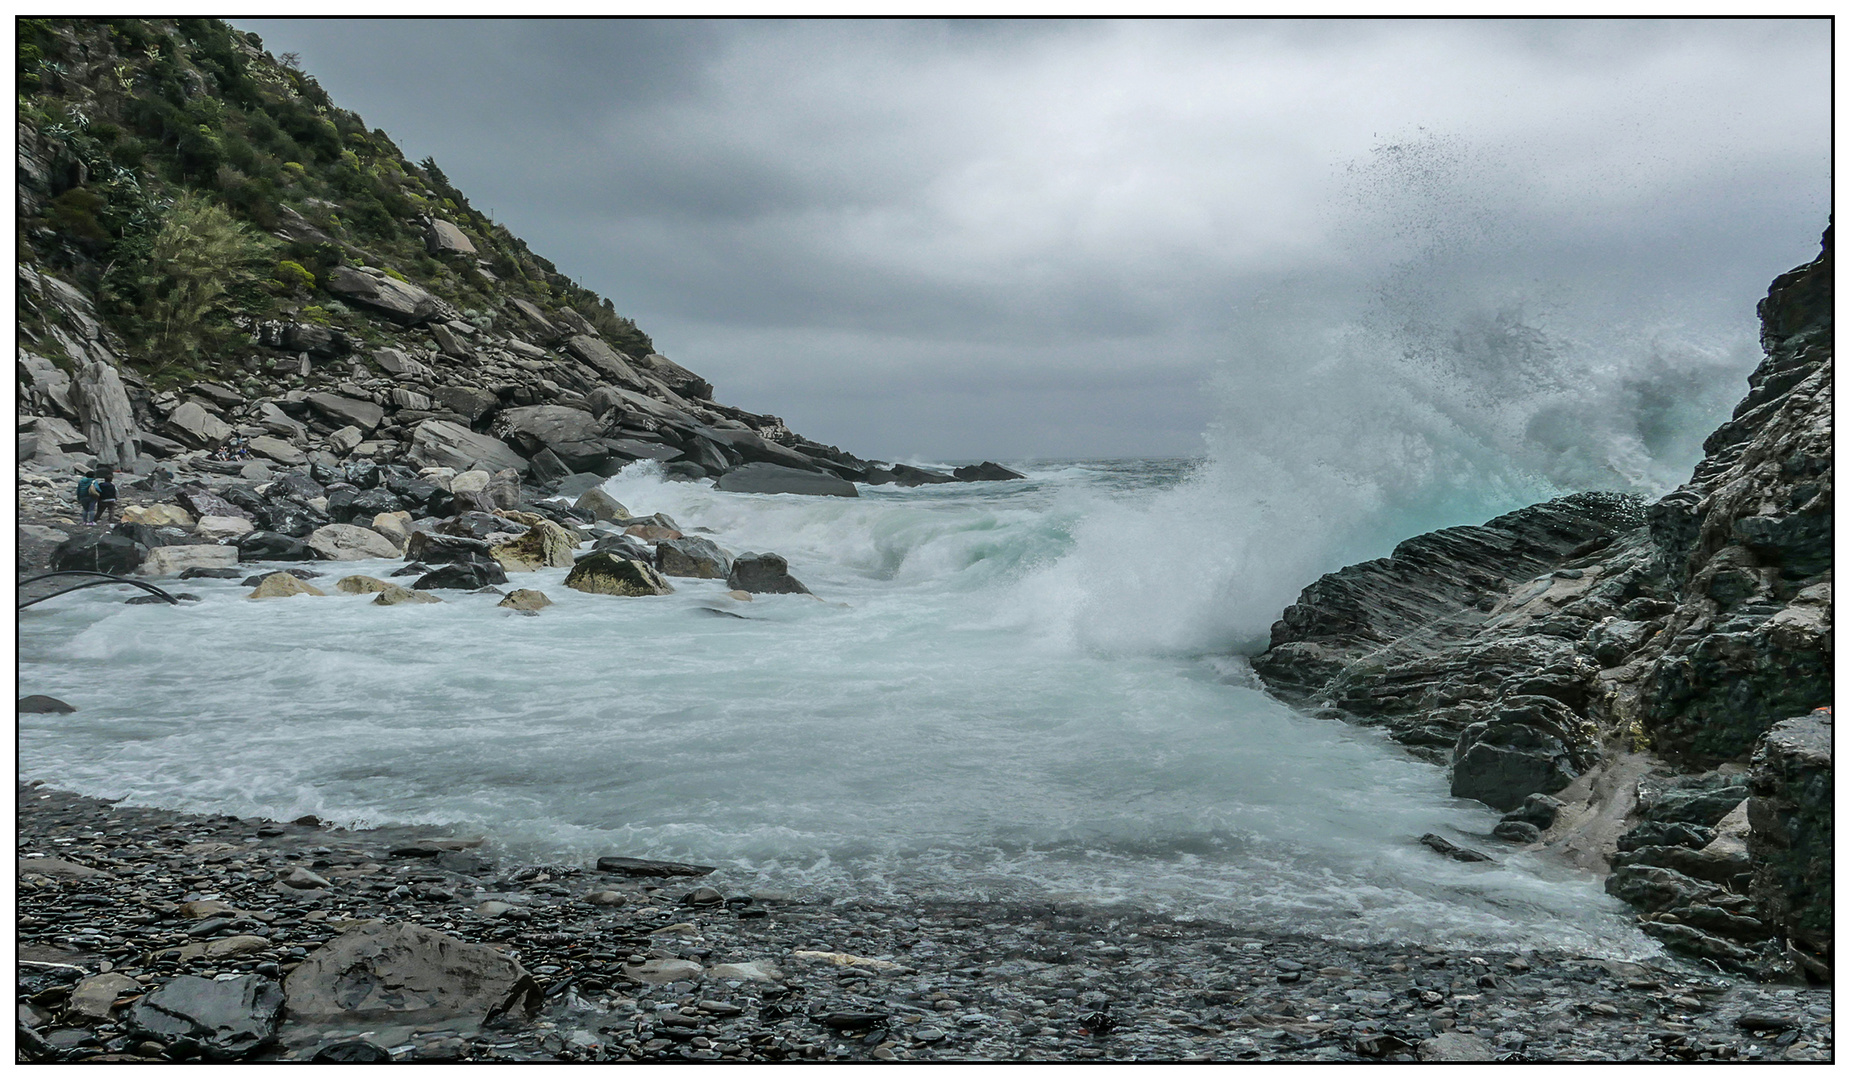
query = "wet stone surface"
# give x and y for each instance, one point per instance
(661, 972)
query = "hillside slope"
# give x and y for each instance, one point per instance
(210, 249)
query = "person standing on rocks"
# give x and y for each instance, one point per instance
(86, 496)
(104, 489)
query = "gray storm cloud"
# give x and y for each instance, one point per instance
(957, 240)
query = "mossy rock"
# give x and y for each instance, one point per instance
(283, 584)
(360, 584)
(398, 594)
(529, 600)
(602, 572)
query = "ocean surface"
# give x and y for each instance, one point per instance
(1021, 689)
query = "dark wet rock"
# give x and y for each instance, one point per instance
(911, 476)
(39, 703)
(1792, 835)
(415, 569)
(1452, 851)
(1666, 834)
(227, 572)
(104, 552)
(262, 546)
(692, 556)
(409, 974)
(351, 1052)
(768, 479)
(621, 546)
(1516, 832)
(1700, 800)
(623, 864)
(290, 518)
(227, 1020)
(766, 573)
(463, 575)
(988, 470)
(437, 547)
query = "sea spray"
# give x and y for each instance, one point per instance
(1446, 365)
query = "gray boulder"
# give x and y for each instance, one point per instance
(608, 361)
(988, 470)
(692, 556)
(677, 378)
(403, 973)
(444, 444)
(764, 478)
(470, 402)
(766, 573)
(104, 552)
(103, 411)
(1791, 833)
(193, 425)
(1502, 760)
(444, 238)
(345, 410)
(400, 301)
(601, 505)
(226, 1020)
(532, 428)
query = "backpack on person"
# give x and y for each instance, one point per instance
(86, 488)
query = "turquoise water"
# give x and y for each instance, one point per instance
(1009, 689)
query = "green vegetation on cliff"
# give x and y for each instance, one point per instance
(195, 185)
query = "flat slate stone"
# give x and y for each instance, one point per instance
(619, 864)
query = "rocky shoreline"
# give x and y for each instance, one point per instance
(150, 935)
(1645, 688)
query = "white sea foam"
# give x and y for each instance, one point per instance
(907, 733)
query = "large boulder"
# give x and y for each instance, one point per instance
(346, 410)
(444, 238)
(108, 553)
(1529, 745)
(204, 504)
(543, 544)
(677, 378)
(348, 542)
(1792, 832)
(764, 478)
(912, 476)
(262, 546)
(604, 573)
(103, 411)
(601, 506)
(281, 584)
(435, 547)
(278, 450)
(532, 428)
(220, 1019)
(169, 561)
(214, 528)
(403, 973)
(463, 575)
(988, 470)
(470, 402)
(289, 516)
(608, 361)
(442, 443)
(766, 573)
(692, 556)
(193, 425)
(400, 301)
(156, 516)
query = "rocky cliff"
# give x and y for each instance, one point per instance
(211, 250)
(1609, 671)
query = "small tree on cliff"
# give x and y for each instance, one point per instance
(197, 259)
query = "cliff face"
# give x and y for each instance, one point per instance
(1574, 647)
(211, 249)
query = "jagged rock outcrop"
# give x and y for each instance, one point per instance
(1531, 652)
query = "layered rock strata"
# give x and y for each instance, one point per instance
(1627, 656)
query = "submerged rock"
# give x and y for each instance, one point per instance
(283, 584)
(766, 573)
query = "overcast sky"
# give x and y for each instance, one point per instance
(1014, 240)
